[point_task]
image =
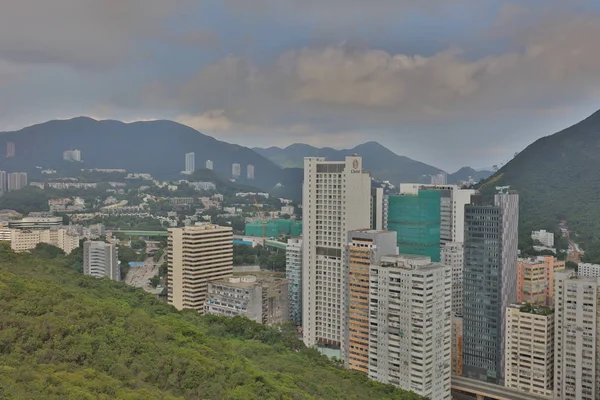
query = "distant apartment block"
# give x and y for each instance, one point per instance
(410, 325)
(3, 182)
(28, 239)
(261, 299)
(576, 348)
(529, 365)
(100, 260)
(203, 185)
(16, 180)
(293, 273)
(535, 280)
(197, 255)
(190, 163)
(10, 149)
(289, 210)
(210, 165)
(439, 179)
(365, 247)
(379, 209)
(236, 170)
(250, 171)
(36, 223)
(588, 270)
(546, 238)
(72, 155)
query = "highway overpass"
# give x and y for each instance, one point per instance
(463, 388)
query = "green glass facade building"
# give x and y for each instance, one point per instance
(416, 218)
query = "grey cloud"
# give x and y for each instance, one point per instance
(79, 32)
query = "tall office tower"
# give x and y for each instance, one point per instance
(190, 163)
(490, 283)
(416, 218)
(452, 255)
(236, 170)
(439, 179)
(365, 247)
(10, 149)
(379, 209)
(336, 198)
(16, 180)
(210, 165)
(250, 171)
(410, 325)
(293, 273)
(3, 182)
(576, 338)
(535, 280)
(100, 260)
(529, 365)
(452, 208)
(197, 254)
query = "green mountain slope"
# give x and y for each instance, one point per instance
(65, 336)
(558, 177)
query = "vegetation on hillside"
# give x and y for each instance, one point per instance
(271, 259)
(558, 178)
(66, 336)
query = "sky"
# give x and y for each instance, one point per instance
(447, 82)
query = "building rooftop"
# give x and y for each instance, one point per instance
(533, 309)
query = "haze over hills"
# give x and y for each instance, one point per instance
(155, 147)
(558, 177)
(379, 160)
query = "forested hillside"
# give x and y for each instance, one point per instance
(66, 336)
(558, 178)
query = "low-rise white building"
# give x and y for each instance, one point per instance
(546, 238)
(28, 239)
(588, 270)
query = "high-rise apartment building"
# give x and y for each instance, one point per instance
(545, 238)
(210, 165)
(72, 155)
(10, 149)
(452, 255)
(250, 171)
(236, 170)
(439, 179)
(3, 181)
(190, 163)
(16, 180)
(196, 255)
(261, 299)
(379, 209)
(416, 219)
(490, 283)
(529, 365)
(535, 280)
(410, 325)
(576, 337)
(293, 273)
(336, 198)
(365, 247)
(100, 260)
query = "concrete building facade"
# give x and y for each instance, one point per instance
(576, 337)
(100, 260)
(529, 365)
(364, 248)
(293, 273)
(196, 255)
(379, 209)
(236, 170)
(16, 180)
(261, 299)
(190, 163)
(457, 346)
(490, 284)
(250, 171)
(336, 198)
(410, 325)
(210, 165)
(588, 270)
(535, 280)
(546, 238)
(452, 255)
(27, 239)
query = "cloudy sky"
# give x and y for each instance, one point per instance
(447, 82)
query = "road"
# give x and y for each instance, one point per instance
(140, 276)
(575, 252)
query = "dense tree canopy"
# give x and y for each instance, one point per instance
(67, 336)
